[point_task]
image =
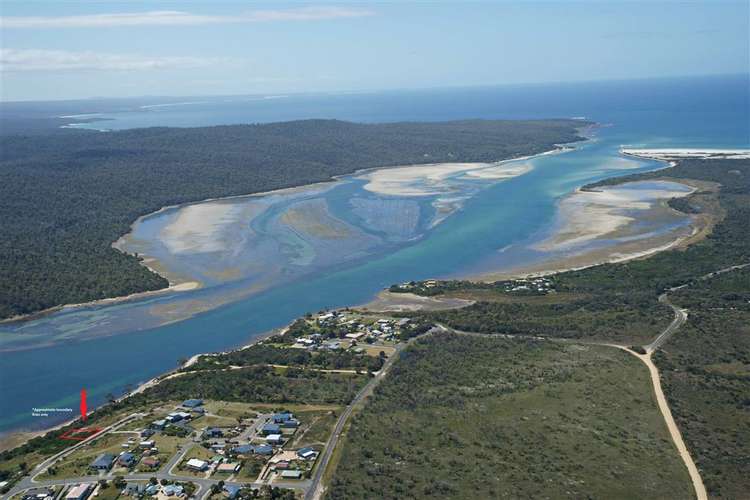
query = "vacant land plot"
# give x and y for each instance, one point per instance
(77, 463)
(471, 417)
(316, 427)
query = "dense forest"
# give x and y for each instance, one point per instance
(67, 196)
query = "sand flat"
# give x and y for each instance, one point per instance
(200, 228)
(500, 171)
(433, 179)
(588, 215)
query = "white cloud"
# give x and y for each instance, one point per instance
(179, 18)
(12, 60)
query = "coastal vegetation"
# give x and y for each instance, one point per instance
(260, 354)
(69, 195)
(262, 384)
(706, 377)
(705, 365)
(464, 416)
(618, 302)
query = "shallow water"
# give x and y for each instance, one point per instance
(126, 349)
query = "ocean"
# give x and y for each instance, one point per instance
(108, 348)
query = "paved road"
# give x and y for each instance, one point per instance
(680, 316)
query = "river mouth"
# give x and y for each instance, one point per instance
(367, 231)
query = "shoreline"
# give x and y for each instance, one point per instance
(383, 297)
(22, 436)
(188, 285)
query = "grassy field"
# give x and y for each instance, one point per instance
(471, 417)
(706, 376)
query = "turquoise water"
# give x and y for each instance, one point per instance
(692, 112)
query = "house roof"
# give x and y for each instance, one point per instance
(78, 491)
(175, 489)
(228, 467)
(232, 490)
(263, 449)
(192, 403)
(194, 462)
(103, 460)
(243, 448)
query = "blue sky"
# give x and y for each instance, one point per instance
(79, 49)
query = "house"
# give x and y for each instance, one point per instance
(150, 462)
(291, 474)
(103, 462)
(199, 411)
(403, 322)
(306, 453)
(331, 345)
(172, 490)
(231, 490)
(270, 429)
(177, 416)
(134, 489)
(146, 444)
(196, 464)
(39, 494)
(151, 490)
(274, 439)
(290, 424)
(244, 449)
(281, 417)
(79, 492)
(213, 432)
(192, 403)
(228, 468)
(147, 433)
(263, 449)
(325, 318)
(283, 465)
(218, 447)
(159, 424)
(126, 460)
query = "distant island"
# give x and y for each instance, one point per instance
(69, 195)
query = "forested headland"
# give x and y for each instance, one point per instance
(68, 195)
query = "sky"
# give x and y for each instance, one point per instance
(81, 49)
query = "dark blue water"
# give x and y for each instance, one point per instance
(708, 112)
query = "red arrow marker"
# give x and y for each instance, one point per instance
(84, 409)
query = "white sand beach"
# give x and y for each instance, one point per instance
(686, 153)
(431, 180)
